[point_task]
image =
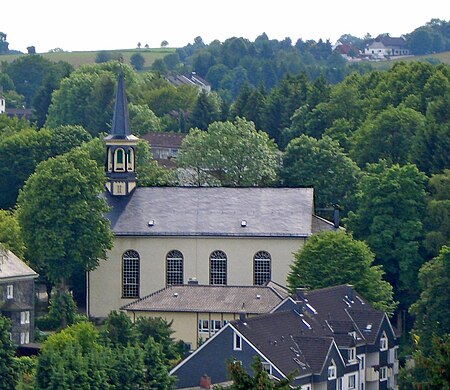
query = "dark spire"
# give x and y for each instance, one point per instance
(121, 120)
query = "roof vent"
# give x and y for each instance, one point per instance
(175, 294)
(151, 222)
(258, 296)
(243, 223)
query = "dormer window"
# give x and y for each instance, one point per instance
(352, 354)
(332, 370)
(383, 342)
(9, 291)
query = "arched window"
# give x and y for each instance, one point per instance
(119, 160)
(262, 268)
(174, 268)
(130, 160)
(110, 160)
(130, 274)
(218, 268)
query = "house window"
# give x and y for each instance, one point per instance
(383, 373)
(362, 362)
(332, 371)
(203, 326)
(340, 384)
(218, 268)
(215, 326)
(9, 291)
(267, 367)
(24, 317)
(261, 268)
(174, 268)
(351, 381)
(24, 337)
(351, 354)
(237, 342)
(383, 342)
(130, 274)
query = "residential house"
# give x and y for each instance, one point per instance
(164, 146)
(384, 47)
(330, 339)
(198, 312)
(2, 104)
(17, 296)
(163, 236)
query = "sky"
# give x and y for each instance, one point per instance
(92, 25)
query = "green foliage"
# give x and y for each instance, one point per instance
(390, 206)
(10, 234)
(62, 312)
(137, 60)
(334, 258)
(62, 216)
(431, 316)
(259, 381)
(157, 374)
(205, 111)
(119, 330)
(26, 367)
(8, 372)
(143, 120)
(323, 165)
(229, 154)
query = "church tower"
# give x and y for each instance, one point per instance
(121, 148)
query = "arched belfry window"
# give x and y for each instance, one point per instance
(218, 268)
(119, 160)
(174, 268)
(130, 274)
(130, 160)
(262, 268)
(110, 160)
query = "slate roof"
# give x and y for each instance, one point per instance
(344, 311)
(213, 211)
(210, 299)
(391, 41)
(12, 267)
(290, 340)
(121, 120)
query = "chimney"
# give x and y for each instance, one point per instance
(205, 382)
(242, 313)
(336, 216)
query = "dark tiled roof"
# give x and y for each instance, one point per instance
(391, 41)
(212, 299)
(344, 310)
(213, 211)
(290, 341)
(164, 139)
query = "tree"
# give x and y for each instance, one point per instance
(7, 351)
(323, 165)
(62, 217)
(259, 381)
(388, 136)
(205, 111)
(334, 258)
(137, 61)
(431, 317)
(10, 234)
(119, 330)
(164, 43)
(157, 374)
(390, 205)
(229, 154)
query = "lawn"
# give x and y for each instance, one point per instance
(77, 58)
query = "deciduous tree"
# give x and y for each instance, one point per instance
(333, 258)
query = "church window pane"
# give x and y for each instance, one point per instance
(119, 160)
(262, 269)
(174, 268)
(218, 268)
(130, 160)
(130, 274)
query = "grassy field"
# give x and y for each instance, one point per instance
(77, 58)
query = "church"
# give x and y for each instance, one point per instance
(167, 236)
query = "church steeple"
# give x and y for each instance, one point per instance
(121, 147)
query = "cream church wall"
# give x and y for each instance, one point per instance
(105, 283)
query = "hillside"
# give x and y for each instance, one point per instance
(77, 58)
